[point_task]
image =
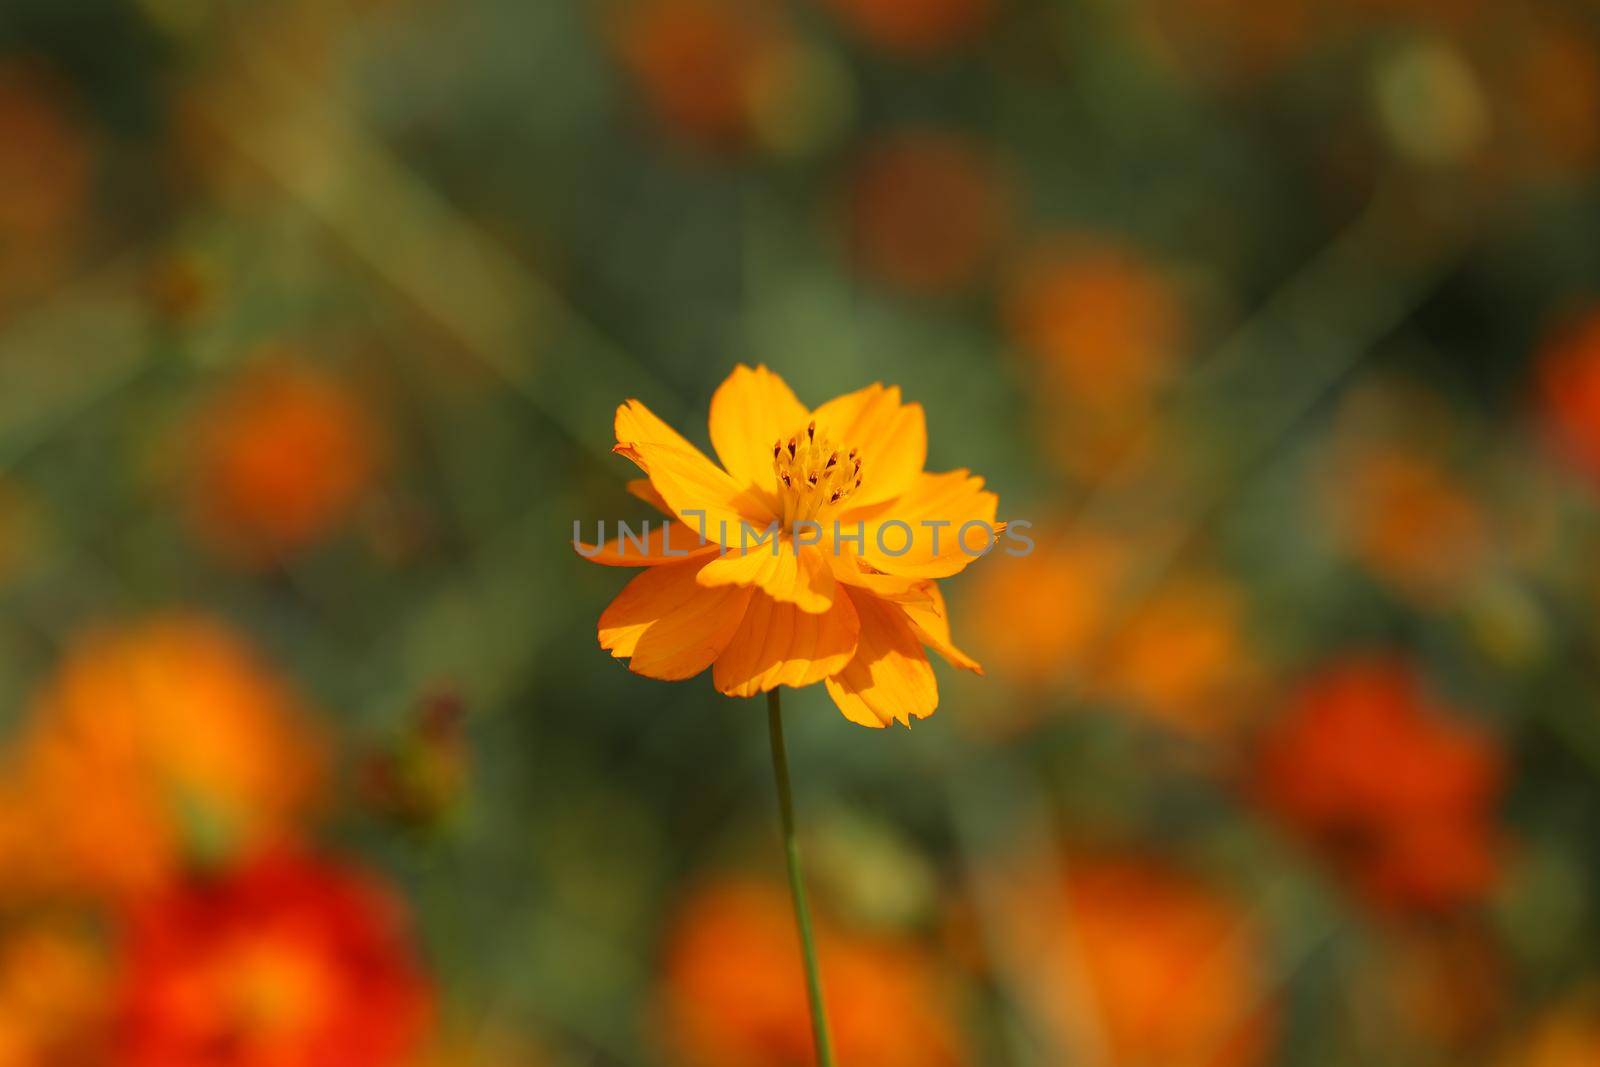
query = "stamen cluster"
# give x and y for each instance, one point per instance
(813, 473)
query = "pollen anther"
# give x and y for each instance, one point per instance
(811, 475)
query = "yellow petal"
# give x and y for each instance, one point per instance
(750, 411)
(802, 578)
(695, 489)
(635, 422)
(650, 543)
(891, 437)
(920, 535)
(642, 489)
(889, 679)
(848, 568)
(778, 644)
(931, 622)
(667, 625)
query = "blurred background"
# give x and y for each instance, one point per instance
(1281, 323)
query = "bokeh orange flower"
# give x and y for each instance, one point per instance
(152, 744)
(55, 997)
(287, 960)
(1042, 617)
(1181, 655)
(1392, 787)
(710, 70)
(282, 456)
(1132, 963)
(733, 994)
(852, 612)
(1408, 520)
(1104, 329)
(1070, 620)
(1546, 72)
(927, 211)
(1104, 323)
(914, 27)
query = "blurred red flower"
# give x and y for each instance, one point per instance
(1387, 784)
(735, 996)
(287, 961)
(1569, 392)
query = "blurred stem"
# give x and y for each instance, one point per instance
(802, 913)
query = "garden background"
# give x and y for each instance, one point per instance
(1279, 322)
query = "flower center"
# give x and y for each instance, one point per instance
(813, 474)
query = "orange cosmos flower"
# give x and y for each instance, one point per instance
(734, 995)
(151, 744)
(1173, 970)
(843, 591)
(283, 455)
(1390, 786)
(288, 961)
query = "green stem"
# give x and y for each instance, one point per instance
(802, 914)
